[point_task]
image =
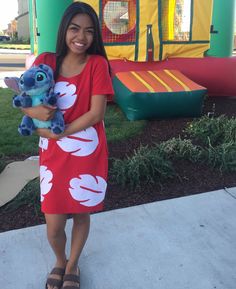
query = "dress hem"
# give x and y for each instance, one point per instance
(72, 213)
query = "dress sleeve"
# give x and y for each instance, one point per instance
(102, 83)
(46, 58)
(39, 59)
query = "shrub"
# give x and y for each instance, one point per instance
(222, 156)
(146, 166)
(153, 164)
(177, 148)
(2, 165)
(216, 130)
(219, 138)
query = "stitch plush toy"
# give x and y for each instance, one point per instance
(36, 87)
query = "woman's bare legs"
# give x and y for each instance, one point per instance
(80, 231)
(57, 239)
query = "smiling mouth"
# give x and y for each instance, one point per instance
(80, 45)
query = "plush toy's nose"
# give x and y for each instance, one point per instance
(29, 81)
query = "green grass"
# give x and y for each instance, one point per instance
(14, 46)
(12, 144)
(118, 127)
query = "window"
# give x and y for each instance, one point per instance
(176, 16)
(119, 21)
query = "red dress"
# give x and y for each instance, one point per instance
(73, 170)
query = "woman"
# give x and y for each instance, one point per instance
(74, 164)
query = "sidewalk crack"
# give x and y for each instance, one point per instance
(228, 192)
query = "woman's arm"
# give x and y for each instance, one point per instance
(93, 116)
(40, 112)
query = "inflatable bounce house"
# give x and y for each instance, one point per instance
(166, 55)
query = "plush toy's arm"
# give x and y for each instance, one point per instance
(51, 97)
(22, 100)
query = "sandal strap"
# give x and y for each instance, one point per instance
(54, 282)
(71, 277)
(58, 271)
(70, 287)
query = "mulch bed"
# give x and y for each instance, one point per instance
(194, 179)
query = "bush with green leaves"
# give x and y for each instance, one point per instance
(154, 164)
(146, 166)
(177, 148)
(2, 165)
(215, 131)
(219, 138)
(222, 156)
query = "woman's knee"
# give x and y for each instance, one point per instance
(80, 219)
(55, 232)
(55, 226)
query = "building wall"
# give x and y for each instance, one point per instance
(12, 28)
(23, 19)
(22, 6)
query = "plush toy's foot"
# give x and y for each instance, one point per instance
(16, 102)
(57, 124)
(25, 131)
(27, 126)
(57, 130)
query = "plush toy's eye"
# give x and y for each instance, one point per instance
(40, 76)
(21, 81)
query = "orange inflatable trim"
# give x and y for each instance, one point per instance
(157, 81)
(218, 75)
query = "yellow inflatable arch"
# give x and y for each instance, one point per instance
(142, 29)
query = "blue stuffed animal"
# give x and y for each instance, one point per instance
(36, 87)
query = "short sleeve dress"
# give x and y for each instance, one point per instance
(73, 170)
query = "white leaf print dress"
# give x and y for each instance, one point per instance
(73, 170)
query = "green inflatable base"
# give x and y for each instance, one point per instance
(155, 105)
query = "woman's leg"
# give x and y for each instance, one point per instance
(57, 239)
(80, 231)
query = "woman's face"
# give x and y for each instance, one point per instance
(80, 34)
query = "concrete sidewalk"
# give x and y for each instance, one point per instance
(17, 71)
(14, 51)
(183, 243)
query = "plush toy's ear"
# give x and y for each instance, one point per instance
(12, 83)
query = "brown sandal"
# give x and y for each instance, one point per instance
(72, 278)
(55, 282)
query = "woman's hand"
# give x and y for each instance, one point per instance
(94, 115)
(44, 132)
(40, 112)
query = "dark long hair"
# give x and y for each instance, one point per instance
(96, 47)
